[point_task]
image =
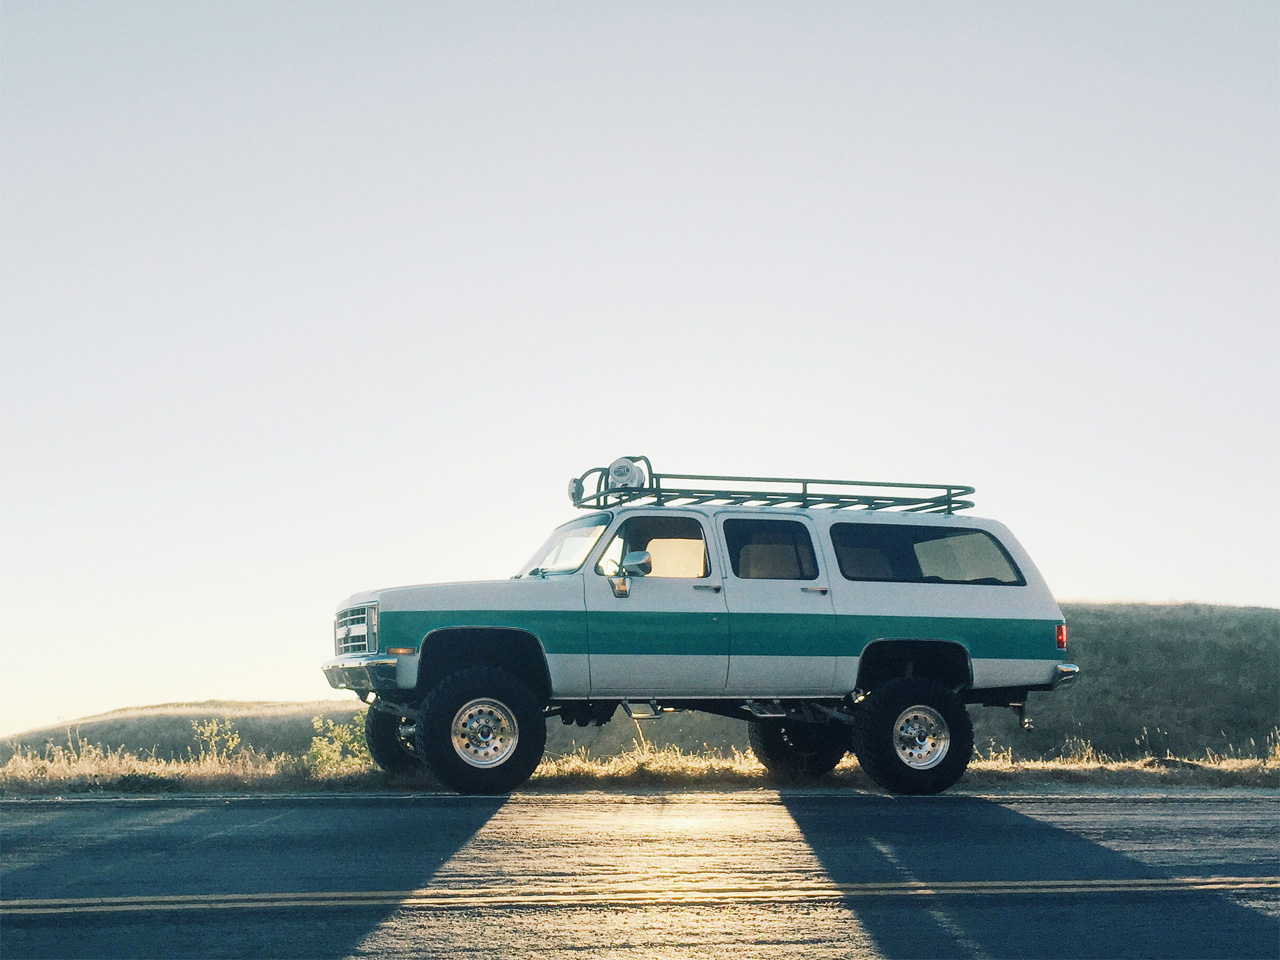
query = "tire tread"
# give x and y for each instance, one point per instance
(436, 714)
(872, 739)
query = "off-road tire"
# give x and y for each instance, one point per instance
(481, 730)
(913, 736)
(389, 750)
(794, 750)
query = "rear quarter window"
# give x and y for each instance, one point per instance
(911, 554)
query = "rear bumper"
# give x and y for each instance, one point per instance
(1065, 675)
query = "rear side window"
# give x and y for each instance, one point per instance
(770, 550)
(911, 554)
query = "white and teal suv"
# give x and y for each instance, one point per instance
(830, 615)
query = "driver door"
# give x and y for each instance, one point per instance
(665, 633)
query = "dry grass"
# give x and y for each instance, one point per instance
(1080, 763)
(646, 765)
(335, 761)
(670, 767)
(334, 764)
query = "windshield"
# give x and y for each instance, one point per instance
(567, 547)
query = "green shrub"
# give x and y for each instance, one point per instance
(216, 738)
(337, 749)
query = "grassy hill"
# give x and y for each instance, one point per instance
(165, 730)
(1184, 679)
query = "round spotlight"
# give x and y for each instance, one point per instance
(625, 474)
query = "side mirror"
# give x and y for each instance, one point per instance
(637, 563)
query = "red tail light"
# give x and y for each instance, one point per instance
(1062, 636)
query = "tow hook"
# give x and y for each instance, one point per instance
(1023, 720)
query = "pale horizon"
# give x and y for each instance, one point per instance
(301, 300)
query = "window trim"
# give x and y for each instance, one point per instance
(611, 532)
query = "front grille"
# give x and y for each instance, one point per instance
(356, 630)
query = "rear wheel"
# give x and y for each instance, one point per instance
(794, 750)
(390, 749)
(914, 736)
(481, 731)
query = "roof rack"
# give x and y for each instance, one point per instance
(633, 480)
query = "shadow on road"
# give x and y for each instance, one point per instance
(958, 839)
(211, 850)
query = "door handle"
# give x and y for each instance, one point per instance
(813, 589)
(713, 587)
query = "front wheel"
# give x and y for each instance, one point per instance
(390, 750)
(794, 750)
(481, 731)
(914, 736)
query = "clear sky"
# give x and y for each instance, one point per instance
(304, 298)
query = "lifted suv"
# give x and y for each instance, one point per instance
(830, 615)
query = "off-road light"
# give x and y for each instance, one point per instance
(625, 474)
(1062, 636)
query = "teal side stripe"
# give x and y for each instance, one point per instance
(791, 635)
(748, 634)
(814, 635)
(661, 634)
(984, 638)
(561, 631)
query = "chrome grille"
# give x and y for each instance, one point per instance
(355, 630)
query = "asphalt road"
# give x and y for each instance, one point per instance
(752, 874)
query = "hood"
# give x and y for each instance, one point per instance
(529, 593)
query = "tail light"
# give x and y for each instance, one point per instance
(1062, 636)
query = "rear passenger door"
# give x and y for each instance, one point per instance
(781, 619)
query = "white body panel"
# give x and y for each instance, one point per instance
(570, 676)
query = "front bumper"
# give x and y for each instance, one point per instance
(361, 672)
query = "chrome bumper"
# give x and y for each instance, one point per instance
(1065, 675)
(361, 672)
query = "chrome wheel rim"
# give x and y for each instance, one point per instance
(921, 737)
(484, 732)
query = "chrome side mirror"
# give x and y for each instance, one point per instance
(637, 563)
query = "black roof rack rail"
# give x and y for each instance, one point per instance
(633, 480)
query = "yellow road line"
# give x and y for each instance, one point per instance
(577, 895)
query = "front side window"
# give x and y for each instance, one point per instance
(911, 554)
(567, 547)
(675, 546)
(770, 550)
